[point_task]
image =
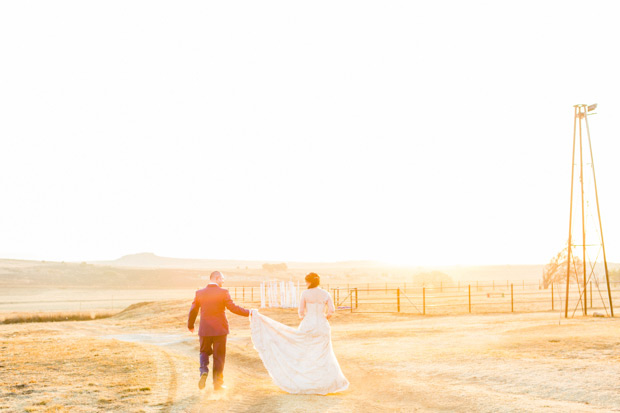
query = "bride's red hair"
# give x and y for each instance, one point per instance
(314, 280)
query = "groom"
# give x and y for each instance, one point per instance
(211, 301)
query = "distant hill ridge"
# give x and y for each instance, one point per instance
(151, 260)
(139, 270)
(525, 272)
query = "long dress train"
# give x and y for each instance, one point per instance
(301, 360)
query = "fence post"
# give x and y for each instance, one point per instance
(423, 301)
(552, 303)
(469, 294)
(512, 300)
(355, 297)
(590, 294)
(351, 299)
(398, 299)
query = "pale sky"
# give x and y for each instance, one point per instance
(435, 132)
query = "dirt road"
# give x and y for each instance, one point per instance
(485, 363)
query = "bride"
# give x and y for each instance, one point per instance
(301, 360)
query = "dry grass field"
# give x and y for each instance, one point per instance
(143, 359)
(48, 370)
(42, 317)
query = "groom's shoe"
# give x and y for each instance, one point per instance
(202, 381)
(221, 387)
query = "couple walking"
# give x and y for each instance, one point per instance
(299, 360)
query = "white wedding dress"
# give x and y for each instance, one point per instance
(301, 360)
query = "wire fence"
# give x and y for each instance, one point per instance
(438, 299)
(462, 298)
(476, 298)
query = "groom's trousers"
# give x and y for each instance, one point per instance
(215, 345)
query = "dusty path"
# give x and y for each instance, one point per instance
(483, 363)
(173, 363)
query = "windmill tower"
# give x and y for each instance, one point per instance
(587, 187)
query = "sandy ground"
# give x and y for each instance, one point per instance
(395, 362)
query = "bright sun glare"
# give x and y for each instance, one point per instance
(230, 132)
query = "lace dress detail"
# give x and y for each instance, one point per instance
(301, 360)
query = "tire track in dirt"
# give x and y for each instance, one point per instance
(169, 382)
(167, 386)
(175, 386)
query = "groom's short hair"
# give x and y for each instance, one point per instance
(214, 275)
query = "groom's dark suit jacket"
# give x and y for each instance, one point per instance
(212, 302)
